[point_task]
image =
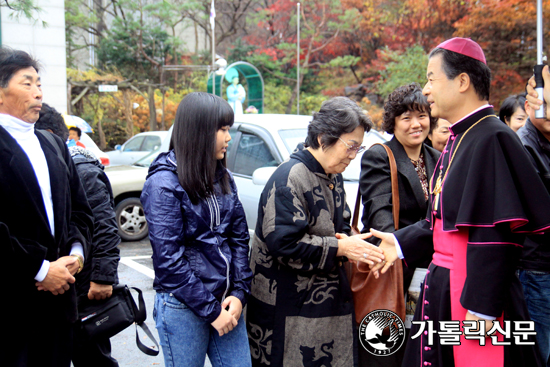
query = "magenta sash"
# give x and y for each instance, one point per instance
(450, 252)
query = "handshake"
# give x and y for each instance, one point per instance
(378, 258)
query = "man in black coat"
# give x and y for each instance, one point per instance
(100, 271)
(45, 224)
(534, 264)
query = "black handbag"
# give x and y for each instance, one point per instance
(108, 317)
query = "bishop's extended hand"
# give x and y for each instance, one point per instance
(390, 253)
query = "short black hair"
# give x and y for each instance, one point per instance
(52, 120)
(77, 129)
(455, 64)
(510, 105)
(337, 116)
(11, 61)
(405, 98)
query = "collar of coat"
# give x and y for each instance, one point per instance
(305, 156)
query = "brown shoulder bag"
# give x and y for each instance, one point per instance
(386, 292)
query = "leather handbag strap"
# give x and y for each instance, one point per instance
(394, 193)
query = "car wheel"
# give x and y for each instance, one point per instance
(130, 220)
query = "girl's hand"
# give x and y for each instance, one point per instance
(224, 323)
(235, 306)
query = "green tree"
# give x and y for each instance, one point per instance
(402, 68)
(27, 9)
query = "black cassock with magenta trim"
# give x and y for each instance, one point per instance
(485, 195)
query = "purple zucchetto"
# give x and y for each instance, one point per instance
(464, 46)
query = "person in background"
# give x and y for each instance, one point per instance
(45, 225)
(49, 121)
(301, 304)
(532, 95)
(512, 112)
(440, 134)
(534, 264)
(74, 134)
(199, 236)
(96, 279)
(407, 117)
(484, 197)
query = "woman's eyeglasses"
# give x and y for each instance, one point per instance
(353, 148)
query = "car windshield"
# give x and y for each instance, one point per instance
(293, 137)
(148, 159)
(88, 142)
(353, 171)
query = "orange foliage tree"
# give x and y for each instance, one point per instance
(506, 30)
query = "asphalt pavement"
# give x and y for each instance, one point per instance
(136, 270)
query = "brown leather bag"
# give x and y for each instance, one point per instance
(386, 292)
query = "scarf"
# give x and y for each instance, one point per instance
(24, 135)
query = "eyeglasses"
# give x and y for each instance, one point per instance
(353, 148)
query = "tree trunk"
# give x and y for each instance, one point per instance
(128, 113)
(102, 141)
(291, 101)
(152, 109)
(163, 120)
(101, 133)
(69, 98)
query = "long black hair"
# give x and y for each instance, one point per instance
(198, 118)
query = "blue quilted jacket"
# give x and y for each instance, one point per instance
(200, 252)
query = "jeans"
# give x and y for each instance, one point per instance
(186, 339)
(536, 287)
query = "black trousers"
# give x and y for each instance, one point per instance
(91, 353)
(41, 343)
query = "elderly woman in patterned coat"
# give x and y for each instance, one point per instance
(300, 310)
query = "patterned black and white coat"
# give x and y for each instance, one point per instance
(300, 310)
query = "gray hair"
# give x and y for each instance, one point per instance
(337, 116)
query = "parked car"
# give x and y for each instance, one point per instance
(137, 147)
(90, 145)
(259, 144)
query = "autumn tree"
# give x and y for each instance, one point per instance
(506, 30)
(323, 23)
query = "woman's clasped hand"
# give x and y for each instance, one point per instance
(355, 248)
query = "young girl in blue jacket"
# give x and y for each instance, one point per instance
(199, 236)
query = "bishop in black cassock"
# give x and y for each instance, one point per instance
(484, 197)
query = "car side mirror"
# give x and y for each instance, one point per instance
(118, 147)
(262, 175)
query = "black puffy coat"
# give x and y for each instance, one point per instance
(102, 261)
(200, 252)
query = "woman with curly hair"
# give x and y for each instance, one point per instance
(407, 117)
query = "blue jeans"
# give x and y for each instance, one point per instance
(536, 287)
(186, 339)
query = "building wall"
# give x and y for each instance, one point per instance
(47, 44)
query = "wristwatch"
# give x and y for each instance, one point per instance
(80, 262)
